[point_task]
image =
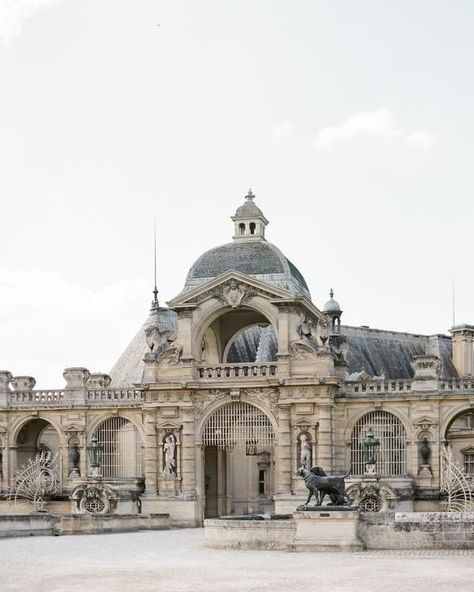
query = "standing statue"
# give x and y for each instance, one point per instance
(169, 448)
(305, 451)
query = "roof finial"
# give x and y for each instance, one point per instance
(155, 302)
(250, 196)
(331, 292)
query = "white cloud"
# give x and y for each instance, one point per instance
(48, 323)
(284, 129)
(379, 123)
(13, 13)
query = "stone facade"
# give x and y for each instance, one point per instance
(186, 431)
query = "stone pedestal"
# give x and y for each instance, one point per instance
(326, 528)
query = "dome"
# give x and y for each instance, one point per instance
(248, 209)
(259, 259)
(331, 305)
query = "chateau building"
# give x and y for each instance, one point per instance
(224, 393)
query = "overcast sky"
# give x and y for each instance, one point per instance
(352, 121)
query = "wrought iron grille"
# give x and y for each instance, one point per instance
(121, 453)
(391, 455)
(238, 424)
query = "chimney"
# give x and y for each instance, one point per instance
(463, 349)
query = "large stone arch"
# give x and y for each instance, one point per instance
(452, 415)
(20, 422)
(203, 323)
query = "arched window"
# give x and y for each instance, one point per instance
(391, 454)
(252, 227)
(242, 228)
(121, 453)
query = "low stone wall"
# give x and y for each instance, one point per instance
(417, 530)
(389, 530)
(249, 534)
(12, 525)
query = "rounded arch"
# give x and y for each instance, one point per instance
(213, 407)
(98, 419)
(454, 414)
(35, 435)
(391, 453)
(265, 310)
(402, 417)
(22, 421)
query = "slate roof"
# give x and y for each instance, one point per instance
(390, 353)
(260, 259)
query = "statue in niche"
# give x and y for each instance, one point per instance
(169, 450)
(305, 451)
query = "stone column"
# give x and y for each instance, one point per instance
(150, 452)
(325, 454)
(284, 450)
(221, 482)
(188, 454)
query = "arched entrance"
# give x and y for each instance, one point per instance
(34, 437)
(238, 440)
(460, 435)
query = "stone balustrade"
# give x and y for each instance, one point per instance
(115, 396)
(37, 397)
(378, 386)
(457, 384)
(233, 371)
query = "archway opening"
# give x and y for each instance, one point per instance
(391, 454)
(36, 436)
(238, 440)
(460, 435)
(121, 448)
(241, 335)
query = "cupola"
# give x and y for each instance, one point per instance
(249, 221)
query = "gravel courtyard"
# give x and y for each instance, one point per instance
(176, 561)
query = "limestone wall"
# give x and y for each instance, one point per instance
(417, 530)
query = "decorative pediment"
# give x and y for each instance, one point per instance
(233, 289)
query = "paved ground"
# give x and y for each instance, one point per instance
(175, 561)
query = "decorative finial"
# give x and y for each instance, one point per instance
(331, 292)
(250, 196)
(155, 302)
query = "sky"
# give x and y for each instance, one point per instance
(352, 122)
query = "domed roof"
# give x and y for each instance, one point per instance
(248, 209)
(331, 305)
(259, 259)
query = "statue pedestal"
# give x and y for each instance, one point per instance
(326, 528)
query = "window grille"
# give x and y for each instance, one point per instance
(237, 424)
(121, 452)
(391, 454)
(469, 462)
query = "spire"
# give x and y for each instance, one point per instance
(331, 292)
(155, 304)
(250, 196)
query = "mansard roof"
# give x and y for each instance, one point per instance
(390, 353)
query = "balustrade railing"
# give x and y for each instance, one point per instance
(48, 397)
(457, 384)
(378, 386)
(232, 371)
(115, 395)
